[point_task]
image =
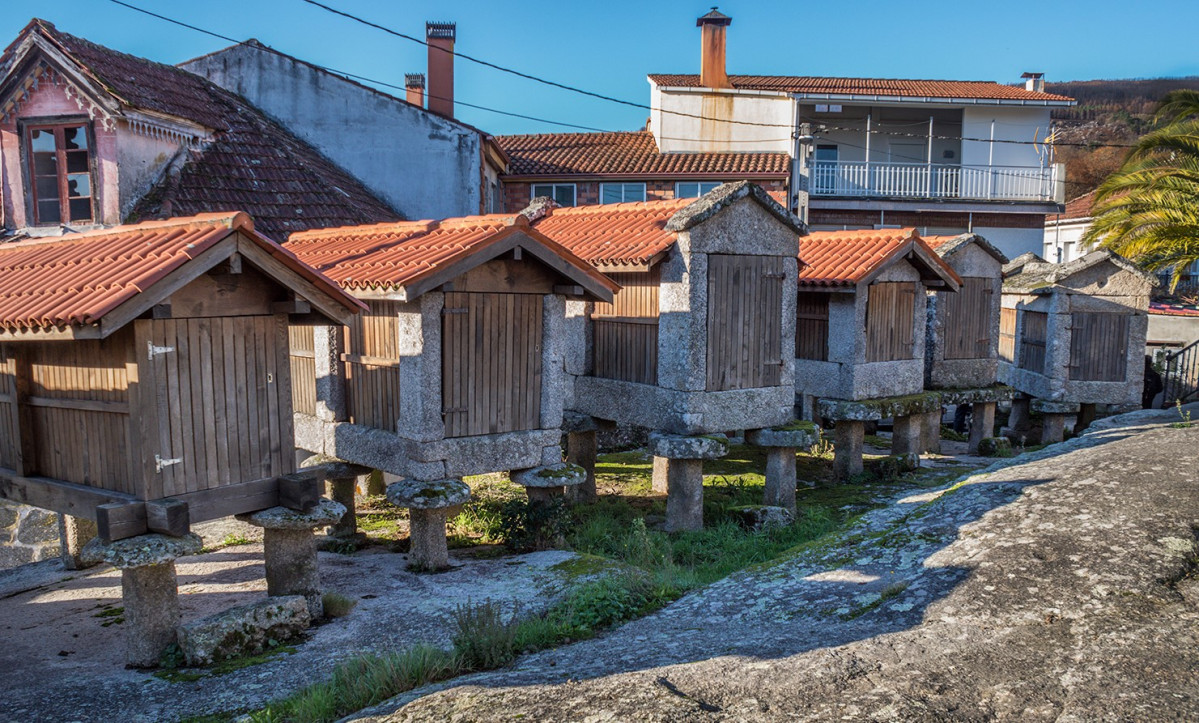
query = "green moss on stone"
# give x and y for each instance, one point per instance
(799, 425)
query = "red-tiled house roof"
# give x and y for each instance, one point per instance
(614, 235)
(847, 258)
(412, 257)
(632, 154)
(251, 162)
(73, 283)
(1078, 208)
(877, 87)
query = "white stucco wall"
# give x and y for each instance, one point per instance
(1064, 235)
(424, 165)
(142, 160)
(697, 132)
(1018, 124)
(1013, 241)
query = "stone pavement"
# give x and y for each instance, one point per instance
(1060, 587)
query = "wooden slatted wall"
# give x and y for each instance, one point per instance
(373, 366)
(745, 310)
(8, 391)
(1007, 334)
(1098, 346)
(303, 369)
(890, 320)
(220, 394)
(967, 327)
(77, 406)
(811, 326)
(491, 363)
(1033, 335)
(626, 331)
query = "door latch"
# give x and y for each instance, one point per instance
(159, 462)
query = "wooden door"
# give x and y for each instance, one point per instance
(491, 363)
(626, 330)
(372, 362)
(745, 317)
(1098, 346)
(967, 327)
(215, 402)
(890, 320)
(1034, 333)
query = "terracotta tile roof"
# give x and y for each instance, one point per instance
(394, 255)
(251, 163)
(844, 258)
(629, 154)
(1078, 208)
(614, 234)
(884, 87)
(74, 280)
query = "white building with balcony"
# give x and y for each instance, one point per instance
(944, 156)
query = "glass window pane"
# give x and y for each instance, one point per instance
(77, 162)
(79, 184)
(611, 193)
(634, 192)
(47, 188)
(45, 164)
(687, 190)
(47, 212)
(564, 195)
(41, 140)
(74, 138)
(540, 190)
(81, 209)
(706, 187)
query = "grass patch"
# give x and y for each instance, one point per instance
(234, 539)
(337, 605)
(190, 675)
(948, 432)
(111, 616)
(876, 441)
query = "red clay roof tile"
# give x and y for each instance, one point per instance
(393, 255)
(614, 234)
(74, 280)
(843, 258)
(884, 87)
(630, 154)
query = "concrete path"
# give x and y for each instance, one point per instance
(1056, 588)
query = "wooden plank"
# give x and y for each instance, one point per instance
(56, 495)
(299, 491)
(167, 516)
(251, 496)
(119, 520)
(24, 445)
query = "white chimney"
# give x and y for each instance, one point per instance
(1034, 82)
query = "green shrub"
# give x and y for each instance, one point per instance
(527, 526)
(337, 605)
(483, 638)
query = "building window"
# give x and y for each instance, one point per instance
(693, 189)
(831, 108)
(60, 173)
(562, 193)
(621, 192)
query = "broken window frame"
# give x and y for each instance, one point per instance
(62, 172)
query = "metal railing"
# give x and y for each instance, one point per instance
(1180, 375)
(934, 180)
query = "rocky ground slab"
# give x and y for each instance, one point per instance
(1058, 588)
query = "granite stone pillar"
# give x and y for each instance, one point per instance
(684, 458)
(341, 482)
(982, 425)
(848, 438)
(429, 504)
(1086, 415)
(1053, 418)
(289, 549)
(781, 444)
(1019, 421)
(658, 482)
(73, 535)
(149, 592)
(907, 434)
(931, 441)
(581, 450)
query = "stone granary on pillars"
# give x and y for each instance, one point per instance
(860, 335)
(144, 387)
(1072, 336)
(456, 366)
(699, 339)
(961, 354)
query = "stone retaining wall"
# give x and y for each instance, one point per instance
(27, 534)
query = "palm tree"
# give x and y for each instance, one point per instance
(1148, 210)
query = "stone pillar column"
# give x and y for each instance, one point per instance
(149, 592)
(781, 444)
(982, 425)
(1086, 415)
(907, 434)
(429, 504)
(1018, 422)
(931, 441)
(581, 450)
(1053, 428)
(685, 475)
(545, 485)
(372, 484)
(659, 479)
(848, 438)
(341, 482)
(73, 535)
(289, 547)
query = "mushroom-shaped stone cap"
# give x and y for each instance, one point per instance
(428, 495)
(324, 514)
(675, 446)
(1046, 406)
(551, 475)
(576, 422)
(152, 549)
(335, 468)
(797, 434)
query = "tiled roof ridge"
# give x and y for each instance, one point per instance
(421, 227)
(606, 209)
(748, 81)
(235, 220)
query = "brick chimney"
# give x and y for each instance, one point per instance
(1034, 82)
(711, 67)
(441, 67)
(414, 83)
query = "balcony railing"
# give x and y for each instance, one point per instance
(933, 180)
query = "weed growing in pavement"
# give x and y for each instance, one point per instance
(1183, 417)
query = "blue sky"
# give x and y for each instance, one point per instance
(610, 46)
